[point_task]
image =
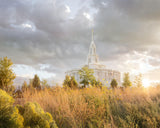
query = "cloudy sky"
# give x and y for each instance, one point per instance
(49, 37)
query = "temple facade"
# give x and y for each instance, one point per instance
(101, 73)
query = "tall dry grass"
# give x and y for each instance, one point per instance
(100, 108)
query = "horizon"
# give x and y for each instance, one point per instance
(50, 37)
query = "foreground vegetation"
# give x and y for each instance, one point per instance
(92, 105)
(99, 108)
(30, 115)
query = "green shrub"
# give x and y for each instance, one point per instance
(9, 115)
(29, 116)
(35, 117)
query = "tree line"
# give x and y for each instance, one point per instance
(88, 79)
(86, 75)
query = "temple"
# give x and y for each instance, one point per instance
(101, 73)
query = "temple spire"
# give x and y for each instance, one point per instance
(92, 35)
(92, 56)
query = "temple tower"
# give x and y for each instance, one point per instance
(92, 56)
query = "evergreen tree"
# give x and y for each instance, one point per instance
(126, 80)
(36, 82)
(6, 74)
(114, 83)
(86, 75)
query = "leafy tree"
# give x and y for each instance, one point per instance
(86, 75)
(70, 82)
(126, 80)
(114, 83)
(36, 82)
(66, 81)
(6, 74)
(73, 82)
(44, 84)
(138, 80)
(9, 115)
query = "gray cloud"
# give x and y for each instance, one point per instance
(55, 38)
(140, 9)
(120, 31)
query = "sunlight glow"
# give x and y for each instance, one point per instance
(29, 26)
(88, 16)
(68, 10)
(146, 83)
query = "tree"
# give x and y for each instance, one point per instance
(138, 80)
(30, 85)
(24, 86)
(36, 82)
(6, 74)
(44, 84)
(66, 81)
(96, 83)
(70, 82)
(114, 83)
(126, 80)
(73, 82)
(86, 75)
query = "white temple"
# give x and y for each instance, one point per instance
(101, 73)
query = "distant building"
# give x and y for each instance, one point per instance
(101, 73)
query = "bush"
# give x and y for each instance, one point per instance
(35, 117)
(9, 115)
(29, 116)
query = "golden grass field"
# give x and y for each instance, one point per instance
(99, 108)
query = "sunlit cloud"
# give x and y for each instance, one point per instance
(29, 72)
(26, 25)
(68, 10)
(88, 16)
